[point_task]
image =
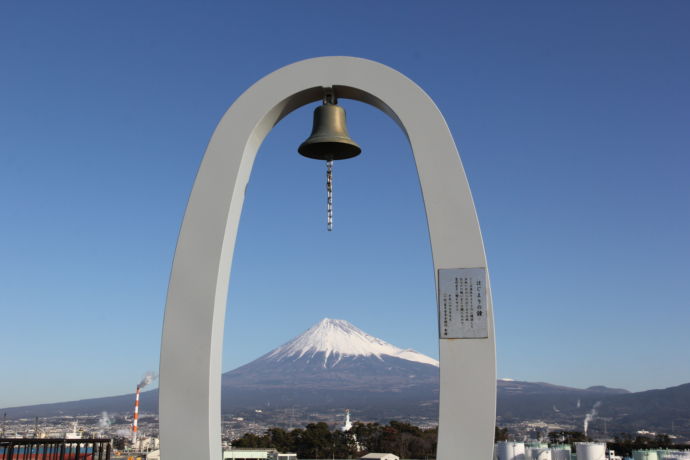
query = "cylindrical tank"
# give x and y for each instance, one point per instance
(507, 450)
(561, 446)
(541, 453)
(645, 455)
(560, 453)
(673, 454)
(529, 446)
(590, 450)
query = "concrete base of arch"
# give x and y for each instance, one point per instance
(191, 349)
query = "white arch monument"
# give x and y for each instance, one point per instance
(191, 349)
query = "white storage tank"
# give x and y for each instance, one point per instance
(590, 450)
(673, 455)
(645, 455)
(507, 450)
(560, 453)
(529, 446)
(541, 453)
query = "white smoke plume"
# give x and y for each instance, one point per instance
(147, 379)
(590, 416)
(104, 422)
(578, 403)
(124, 432)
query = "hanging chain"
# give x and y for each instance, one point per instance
(329, 190)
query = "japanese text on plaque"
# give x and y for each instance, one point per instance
(462, 303)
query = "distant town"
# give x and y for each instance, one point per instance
(259, 429)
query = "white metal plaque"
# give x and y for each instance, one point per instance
(462, 303)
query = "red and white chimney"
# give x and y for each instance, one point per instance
(136, 416)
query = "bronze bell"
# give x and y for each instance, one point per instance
(329, 139)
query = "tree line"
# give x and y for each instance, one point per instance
(317, 440)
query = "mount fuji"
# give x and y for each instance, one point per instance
(335, 364)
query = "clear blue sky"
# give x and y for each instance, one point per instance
(572, 119)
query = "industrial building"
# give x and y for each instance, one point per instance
(380, 456)
(661, 454)
(508, 450)
(239, 453)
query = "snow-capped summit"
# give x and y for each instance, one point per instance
(330, 340)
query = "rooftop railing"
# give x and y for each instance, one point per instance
(54, 449)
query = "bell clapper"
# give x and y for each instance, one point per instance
(329, 192)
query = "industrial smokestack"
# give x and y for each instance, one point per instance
(135, 422)
(146, 380)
